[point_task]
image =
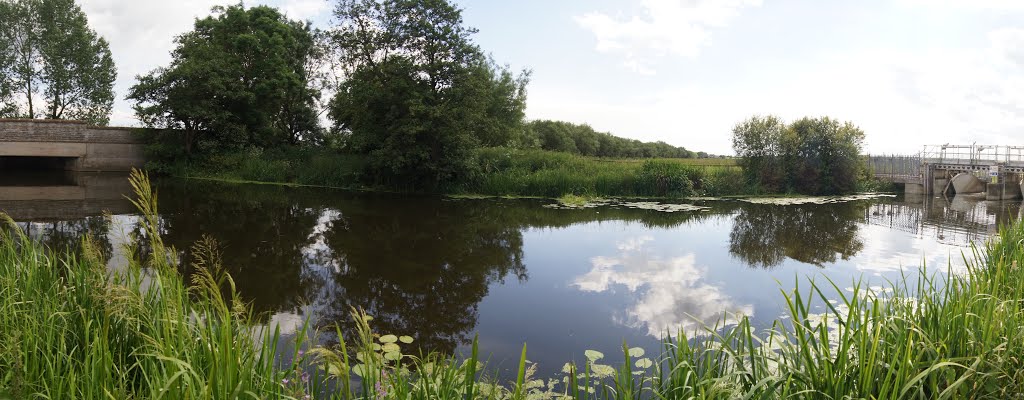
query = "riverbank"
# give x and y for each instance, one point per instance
(72, 328)
(493, 172)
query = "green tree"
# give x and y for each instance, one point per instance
(758, 143)
(8, 57)
(554, 135)
(811, 156)
(49, 53)
(824, 155)
(240, 78)
(419, 95)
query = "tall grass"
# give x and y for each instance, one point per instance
(494, 171)
(72, 328)
(502, 171)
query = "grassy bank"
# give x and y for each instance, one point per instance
(494, 172)
(72, 328)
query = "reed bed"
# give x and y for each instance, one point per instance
(71, 328)
(501, 171)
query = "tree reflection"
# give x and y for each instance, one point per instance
(261, 234)
(421, 268)
(66, 235)
(764, 235)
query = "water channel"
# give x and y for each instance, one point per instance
(443, 270)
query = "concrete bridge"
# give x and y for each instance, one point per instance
(989, 172)
(67, 145)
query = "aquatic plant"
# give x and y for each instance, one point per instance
(72, 328)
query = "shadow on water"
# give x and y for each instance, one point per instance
(423, 265)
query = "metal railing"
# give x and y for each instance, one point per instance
(974, 154)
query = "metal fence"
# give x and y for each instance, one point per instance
(894, 165)
(974, 154)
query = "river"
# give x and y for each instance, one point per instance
(443, 270)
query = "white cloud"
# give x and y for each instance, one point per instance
(141, 35)
(670, 293)
(666, 27)
(993, 5)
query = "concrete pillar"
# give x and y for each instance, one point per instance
(1002, 191)
(939, 185)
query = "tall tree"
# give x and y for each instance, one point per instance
(418, 94)
(51, 56)
(241, 77)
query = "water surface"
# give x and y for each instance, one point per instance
(513, 271)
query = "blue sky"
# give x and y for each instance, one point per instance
(908, 72)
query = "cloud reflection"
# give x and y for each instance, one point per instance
(670, 292)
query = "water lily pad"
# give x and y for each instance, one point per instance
(388, 339)
(602, 371)
(390, 347)
(360, 369)
(636, 352)
(392, 356)
(593, 355)
(644, 363)
(376, 347)
(405, 339)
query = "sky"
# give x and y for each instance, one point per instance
(907, 72)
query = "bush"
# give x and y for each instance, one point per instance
(811, 156)
(665, 179)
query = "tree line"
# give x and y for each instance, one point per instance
(582, 139)
(399, 82)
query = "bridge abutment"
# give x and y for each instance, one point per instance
(89, 148)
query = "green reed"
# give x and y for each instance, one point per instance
(72, 328)
(501, 171)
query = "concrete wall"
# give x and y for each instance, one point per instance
(93, 148)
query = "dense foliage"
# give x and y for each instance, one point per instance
(48, 53)
(240, 78)
(419, 95)
(810, 156)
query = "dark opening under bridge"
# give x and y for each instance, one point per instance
(68, 145)
(992, 172)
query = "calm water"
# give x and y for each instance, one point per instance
(513, 271)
